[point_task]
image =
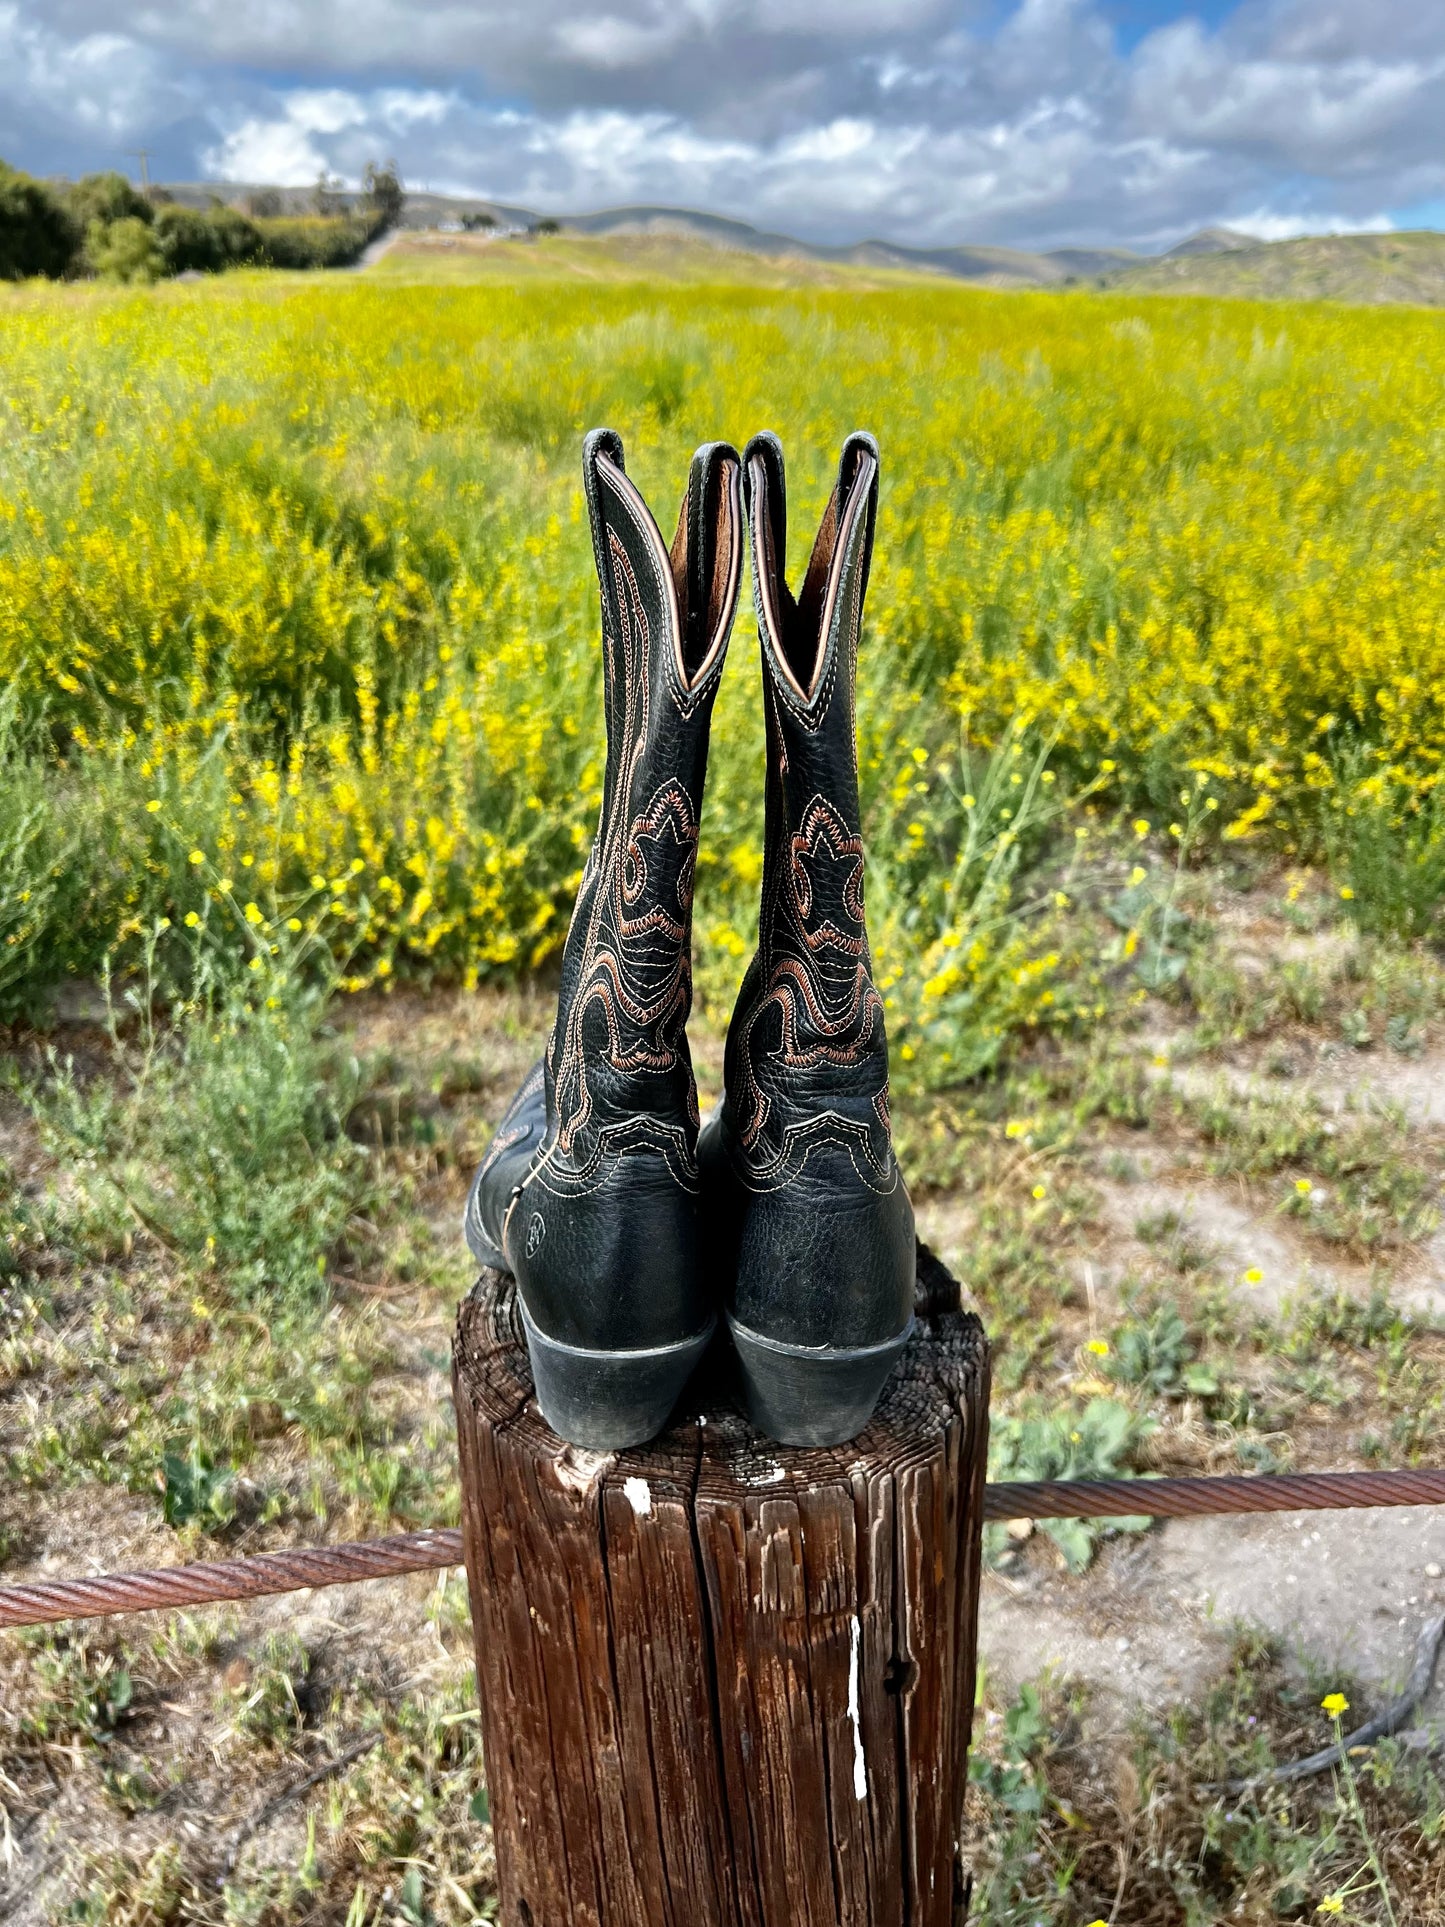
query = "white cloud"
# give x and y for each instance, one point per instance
(930, 121)
(1265, 226)
(278, 153)
(284, 151)
(324, 111)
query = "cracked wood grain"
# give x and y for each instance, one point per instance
(725, 1683)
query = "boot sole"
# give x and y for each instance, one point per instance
(812, 1394)
(608, 1400)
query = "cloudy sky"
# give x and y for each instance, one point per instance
(1033, 122)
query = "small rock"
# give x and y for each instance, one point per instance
(1432, 1571)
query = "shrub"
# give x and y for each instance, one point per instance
(40, 871)
(124, 250)
(106, 198)
(971, 944)
(336, 544)
(314, 240)
(205, 241)
(37, 234)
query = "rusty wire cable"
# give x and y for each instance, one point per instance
(44, 1601)
(208, 1584)
(1188, 1498)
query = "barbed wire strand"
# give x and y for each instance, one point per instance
(47, 1601)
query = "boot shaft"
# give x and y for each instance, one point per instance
(809, 643)
(618, 1068)
(809, 1037)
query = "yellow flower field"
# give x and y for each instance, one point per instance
(297, 574)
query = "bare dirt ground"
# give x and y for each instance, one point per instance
(1150, 1622)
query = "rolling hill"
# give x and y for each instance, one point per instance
(682, 243)
(1367, 268)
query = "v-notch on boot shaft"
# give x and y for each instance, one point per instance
(588, 1194)
(808, 1220)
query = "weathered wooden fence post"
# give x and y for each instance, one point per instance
(725, 1683)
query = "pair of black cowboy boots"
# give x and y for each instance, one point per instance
(627, 1227)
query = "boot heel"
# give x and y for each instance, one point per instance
(606, 1400)
(812, 1394)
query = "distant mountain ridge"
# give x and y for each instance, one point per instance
(990, 265)
(1211, 240)
(1395, 267)
(993, 266)
(1372, 269)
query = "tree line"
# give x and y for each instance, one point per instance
(101, 226)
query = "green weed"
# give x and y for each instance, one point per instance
(266, 1706)
(223, 1142)
(1098, 1440)
(1387, 848)
(1156, 1353)
(79, 1691)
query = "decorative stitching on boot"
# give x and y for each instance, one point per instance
(822, 826)
(635, 970)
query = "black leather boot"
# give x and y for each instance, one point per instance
(804, 1204)
(588, 1194)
